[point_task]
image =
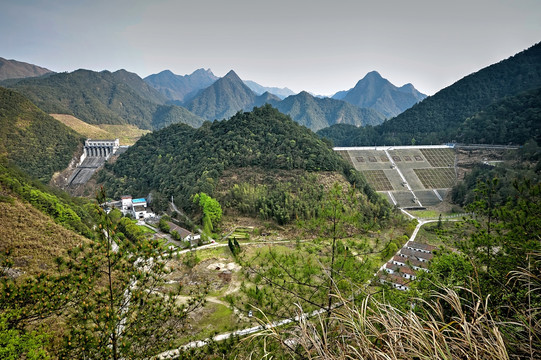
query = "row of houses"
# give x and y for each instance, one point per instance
(402, 268)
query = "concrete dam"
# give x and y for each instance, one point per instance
(95, 154)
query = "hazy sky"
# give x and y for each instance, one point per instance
(313, 45)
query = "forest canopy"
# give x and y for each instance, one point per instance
(183, 161)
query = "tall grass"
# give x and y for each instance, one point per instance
(444, 327)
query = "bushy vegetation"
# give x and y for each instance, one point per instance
(523, 165)
(478, 302)
(32, 139)
(105, 293)
(73, 214)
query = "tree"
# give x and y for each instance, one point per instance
(212, 211)
(19, 344)
(163, 225)
(310, 275)
(123, 315)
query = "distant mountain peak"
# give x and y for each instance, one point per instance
(373, 74)
(375, 92)
(181, 88)
(222, 99)
(282, 93)
(13, 69)
(202, 71)
(232, 75)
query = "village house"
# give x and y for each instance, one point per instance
(185, 235)
(401, 269)
(404, 261)
(404, 271)
(137, 208)
(397, 282)
(420, 247)
(414, 254)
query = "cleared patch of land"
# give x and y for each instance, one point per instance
(127, 134)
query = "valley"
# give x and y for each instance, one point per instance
(204, 217)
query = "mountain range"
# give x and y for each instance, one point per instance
(282, 93)
(105, 97)
(122, 97)
(230, 94)
(181, 88)
(505, 91)
(13, 69)
(377, 93)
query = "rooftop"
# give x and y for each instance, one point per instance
(414, 254)
(421, 246)
(409, 261)
(400, 269)
(139, 208)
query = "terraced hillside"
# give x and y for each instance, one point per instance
(409, 176)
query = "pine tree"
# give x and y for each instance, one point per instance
(123, 315)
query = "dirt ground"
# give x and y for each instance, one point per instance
(467, 159)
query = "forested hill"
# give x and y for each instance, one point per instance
(104, 98)
(183, 161)
(514, 119)
(33, 140)
(438, 118)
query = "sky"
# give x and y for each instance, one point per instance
(313, 45)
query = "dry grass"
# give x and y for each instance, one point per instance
(32, 238)
(445, 327)
(127, 134)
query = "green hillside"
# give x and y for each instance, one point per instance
(104, 98)
(183, 161)
(438, 118)
(32, 139)
(514, 119)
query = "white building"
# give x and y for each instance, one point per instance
(135, 207)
